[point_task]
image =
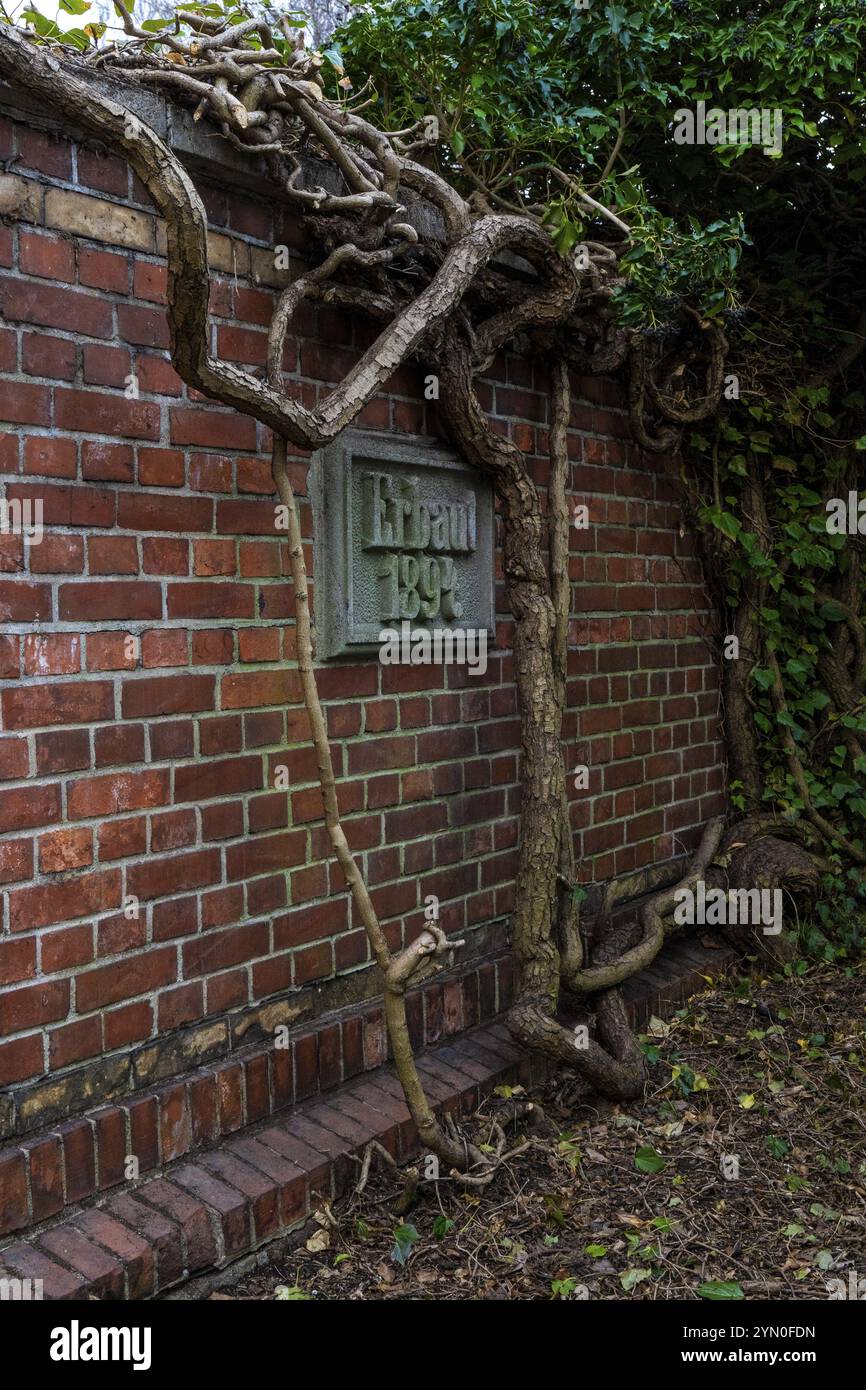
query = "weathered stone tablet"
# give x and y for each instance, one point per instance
(403, 533)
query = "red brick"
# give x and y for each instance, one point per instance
(74, 1042)
(117, 792)
(163, 1237)
(106, 172)
(135, 975)
(11, 554)
(173, 830)
(120, 839)
(161, 556)
(58, 1283)
(218, 950)
(304, 1155)
(221, 908)
(230, 1103)
(144, 327)
(10, 651)
(112, 555)
(17, 960)
(102, 1272)
(259, 644)
(62, 850)
(16, 862)
(13, 1191)
(184, 1211)
(203, 781)
(174, 740)
(238, 517)
(111, 651)
(117, 599)
(50, 458)
(27, 405)
(106, 462)
(210, 473)
(212, 429)
(231, 1206)
(260, 1192)
(21, 1059)
(104, 270)
(9, 452)
(32, 1005)
(206, 600)
(75, 702)
(129, 1024)
(213, 647)
(47, 256)
(144, 1131)
(150, 281)
(58, 555)
(45, 1159)
(179, 1006)
(163, 468)
(151, 512)
(249, 218)
(24, 602)
(175, 1124)
(52, 654)
(265, 854)
(260, 559)
(14, 758)
(248, 690)
(179, 874)
(24, 807)
(133, 1252)
(68, 506)
(157, 695)
(214, 557)
(66, 948)
(106, 366)
(98, 413)
(236, 344)
(68, 750)
(42, 905)
(28, 301)
(164, 647)
(119, 933)
(43, 354)
(45, 152)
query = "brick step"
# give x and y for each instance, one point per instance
(266, 1180)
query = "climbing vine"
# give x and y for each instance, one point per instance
(542, 133)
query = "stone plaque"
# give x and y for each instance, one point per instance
(403, 533)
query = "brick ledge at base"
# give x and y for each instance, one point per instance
(264, 1182)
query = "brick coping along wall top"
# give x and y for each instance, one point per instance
(164, 905)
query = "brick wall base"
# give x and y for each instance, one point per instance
(248, 1189)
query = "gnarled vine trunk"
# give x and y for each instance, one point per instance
(456, 309)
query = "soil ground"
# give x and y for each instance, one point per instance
(741, 1173)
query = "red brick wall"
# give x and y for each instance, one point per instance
(146, 767)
